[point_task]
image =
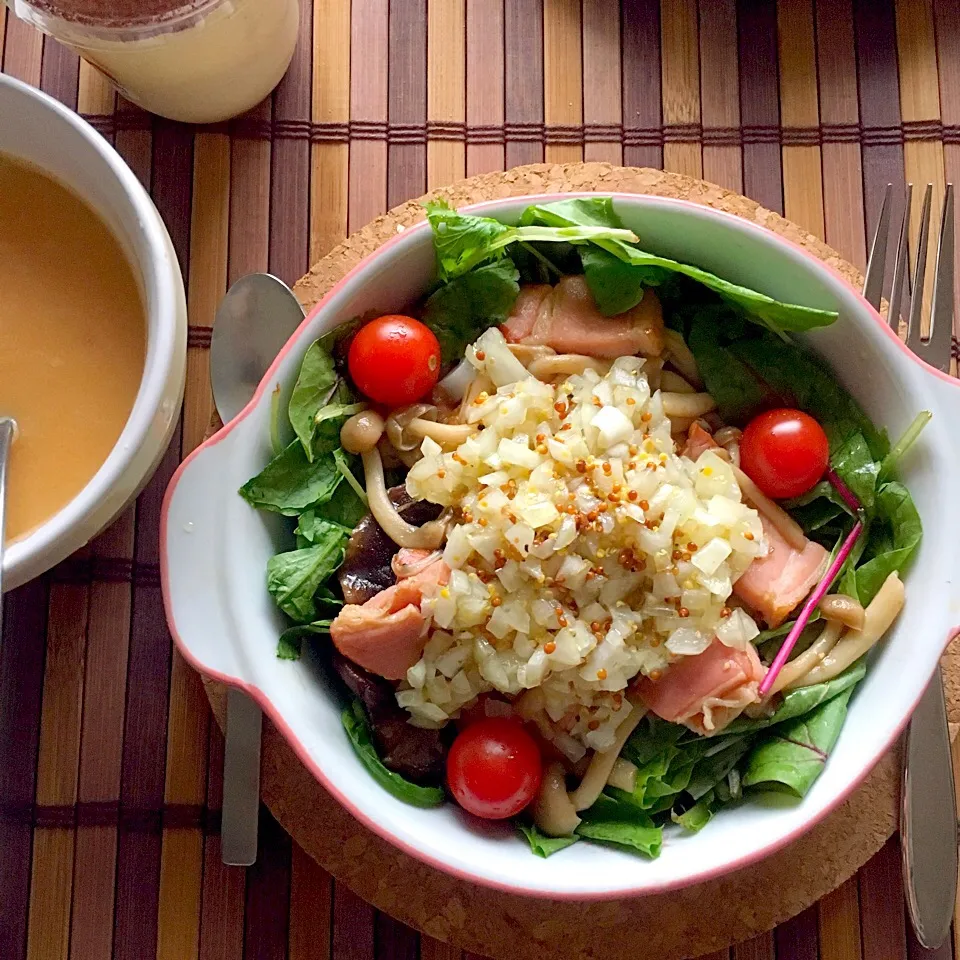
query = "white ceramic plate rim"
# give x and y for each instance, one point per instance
(805, 820)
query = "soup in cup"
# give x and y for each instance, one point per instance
(92, 330)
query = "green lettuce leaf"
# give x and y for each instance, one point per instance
(694, 819)
(793, 754)
(540, 843)
(459, 311)
(294, 577)
(797, 703)
(358, 730)
(618, 824)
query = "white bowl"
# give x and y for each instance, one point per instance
(214, 549)
(38, 129)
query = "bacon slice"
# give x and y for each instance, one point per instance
(566, 318)
(698, 442)
(775, 584)
(523, 317)
(386, 634)
(707, 691)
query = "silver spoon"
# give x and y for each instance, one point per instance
(8, 430)
(254, 320)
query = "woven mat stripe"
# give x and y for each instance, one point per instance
(680, 94)
(759, 107)
(254, 184)
(523, 81)
(407, 101)
(485, 86)
(501, 132)
(720, 88)
(562, 78)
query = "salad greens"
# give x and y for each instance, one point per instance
(358, 730)
(311, 479)
(684, 778)
(540, 843)
(741, 341)
(459, 311)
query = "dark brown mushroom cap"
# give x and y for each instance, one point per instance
(366, 567)
(412, 752)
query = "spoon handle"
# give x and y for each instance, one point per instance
(7, 429)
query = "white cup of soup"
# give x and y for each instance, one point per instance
(92, 331)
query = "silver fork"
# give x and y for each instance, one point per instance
(928, 811)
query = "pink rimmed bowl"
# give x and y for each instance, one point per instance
(215, 548)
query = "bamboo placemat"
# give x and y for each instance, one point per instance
(109, 762)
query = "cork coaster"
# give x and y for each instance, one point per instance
(671, 926)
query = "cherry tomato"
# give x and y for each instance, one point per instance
(784, 452)
(493, 768)
(394, 360)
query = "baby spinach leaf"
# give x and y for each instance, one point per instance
(577, 211)
(855, 465)
(817, 507)
(795, 377)
(739, 394)
(344, 506)
(713, 769)
(290, 642)
(898, 517)
(617, 286)
(290, 483)
(293, 577)
(540, 843)
(316, 382)
(463, 241)
(459, 311)
(775, 315)
(337, 411)
(793, 755)
(358, 730)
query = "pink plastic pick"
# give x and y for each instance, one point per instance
(821, 588)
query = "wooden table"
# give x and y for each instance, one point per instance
(109, 762)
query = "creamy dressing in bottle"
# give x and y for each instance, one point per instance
(199, 61)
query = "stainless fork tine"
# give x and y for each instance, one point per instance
(876, 266)
(914, 323)
(901, 269)
(937, 350)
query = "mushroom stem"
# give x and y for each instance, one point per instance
(566, 364)
(427, 537)
(443, 433)
(601, 764)
(786, 526)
